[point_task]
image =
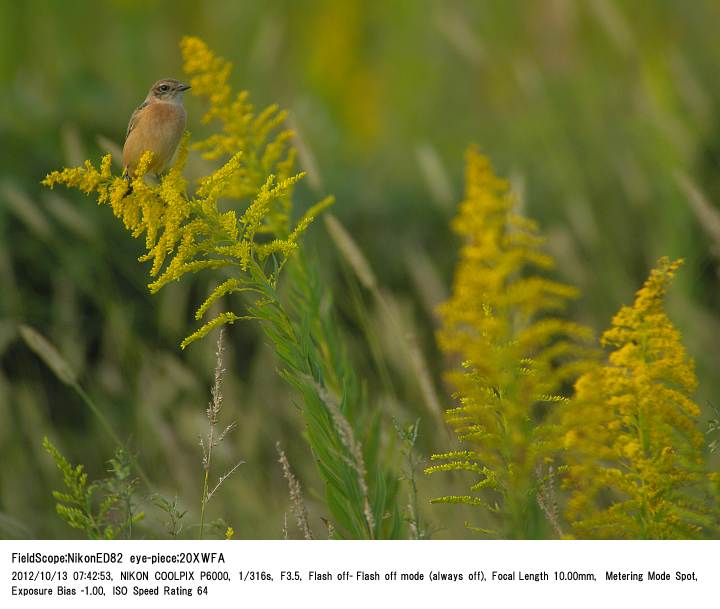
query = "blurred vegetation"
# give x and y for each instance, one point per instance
(603, 112)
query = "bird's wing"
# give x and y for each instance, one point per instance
(134, 117)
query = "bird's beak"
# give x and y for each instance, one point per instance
(184, 87)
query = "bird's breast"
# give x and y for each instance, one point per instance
(164, 121)
(158, 128)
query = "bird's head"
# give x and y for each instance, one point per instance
(167, 90)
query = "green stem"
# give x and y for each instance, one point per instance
(206, 465)
(203, 502)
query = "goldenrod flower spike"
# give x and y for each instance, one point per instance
(630, 436)
(502, 323)
(262, 137)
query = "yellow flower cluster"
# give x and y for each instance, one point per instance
(631, 439)
(184, 233)
(262, 137)
(501, 323)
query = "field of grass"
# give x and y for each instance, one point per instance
(602, 116)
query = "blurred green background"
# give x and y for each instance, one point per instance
(603, 114)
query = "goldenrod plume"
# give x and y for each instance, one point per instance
(631, 439)
(502, 323)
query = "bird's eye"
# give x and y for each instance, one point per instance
(163, 88)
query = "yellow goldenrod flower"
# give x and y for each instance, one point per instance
(264, 142)
(632, 443)
(517, 354)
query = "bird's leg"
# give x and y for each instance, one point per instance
(128, 179)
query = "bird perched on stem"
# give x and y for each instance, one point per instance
(156, 125)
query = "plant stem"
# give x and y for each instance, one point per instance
(208, 459)
(203, 502)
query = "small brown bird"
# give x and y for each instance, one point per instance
(157, 125)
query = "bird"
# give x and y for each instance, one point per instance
(156, 125)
